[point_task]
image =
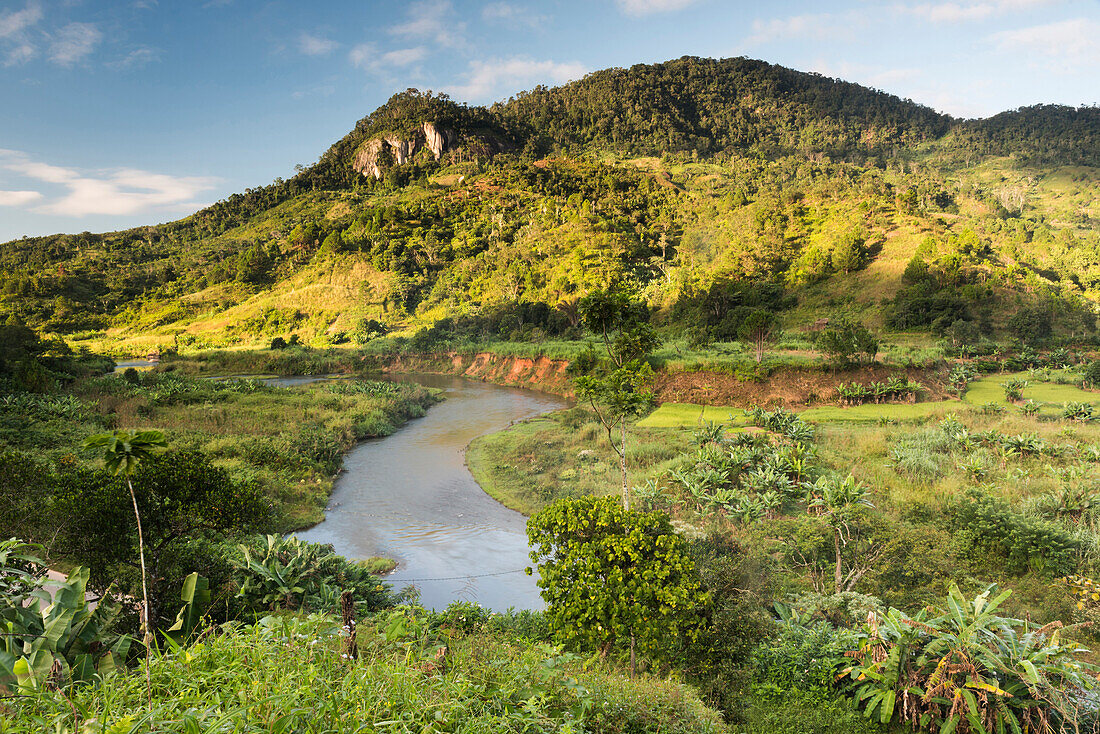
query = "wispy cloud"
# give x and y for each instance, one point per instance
(18, 198)
(14, 22)
(649, 7)
(137, 58)
(116, 191)
(434, 21)
(312, 45)
(490, 77)
(511, 14)
(367, 56)
(969, 10)
(74, 42)
(810, 25)
(15, 27)
(1068, 45)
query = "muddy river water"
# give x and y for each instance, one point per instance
(410, 497)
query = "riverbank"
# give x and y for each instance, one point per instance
(289, 441)
(792, 384)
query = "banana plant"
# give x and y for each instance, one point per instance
(968, 668)
(195, 596)
(60, 638)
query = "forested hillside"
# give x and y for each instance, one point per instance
(697, 183)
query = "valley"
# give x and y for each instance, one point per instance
(699, 396)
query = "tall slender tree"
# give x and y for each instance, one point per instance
(617, 386)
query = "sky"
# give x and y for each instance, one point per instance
(120, 113)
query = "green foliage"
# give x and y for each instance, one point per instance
(51, 635)
(124, 450)
(276, 573)
(179, 494)
(195, 595)
(845, 341)
(800, 658)
(609, 574)
(289, 674)
(968, 667)
(990, 529)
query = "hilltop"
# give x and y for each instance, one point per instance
(702, 183)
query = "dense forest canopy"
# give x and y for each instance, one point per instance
(677, 178)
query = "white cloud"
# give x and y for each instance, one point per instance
(648, 7)
(15, 27)
(74, 42)
(486, 78)
(511, 14)
(117, 191)
(1068, 45)
(18, 198)
(812, 25)
(367, 56)
(434, 21)
(15, 22)
(969, 10)
(137, 58)
(312, 45)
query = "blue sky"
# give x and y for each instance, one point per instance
(115, 114)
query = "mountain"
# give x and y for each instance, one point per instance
(708, 186)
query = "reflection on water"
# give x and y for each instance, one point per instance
(410, 497)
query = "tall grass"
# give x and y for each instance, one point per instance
(289, 674)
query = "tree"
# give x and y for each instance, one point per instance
(178, 495)
(845, 341)
(617, 389)
(759, 328)
(123, 451)
(608, 573)
(840, 501)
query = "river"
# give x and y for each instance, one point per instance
(410, 497)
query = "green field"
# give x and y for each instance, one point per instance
(1050, 396)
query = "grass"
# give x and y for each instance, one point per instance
(289, 674)
(679, 415)
(289, 440)
(689, 415)
(564, 454)
(1050, 395)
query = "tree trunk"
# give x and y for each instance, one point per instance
(622, 465)
(633, 659)
(146, 632)
(837, 574)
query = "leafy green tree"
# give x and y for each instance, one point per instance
(850, 251)
(617, 389)
(179, 495)
(608, 573)
(845, 341)
(759, 328)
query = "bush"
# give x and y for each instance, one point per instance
(845, 342)
(989, 528)
(800, 658)
(274, 573)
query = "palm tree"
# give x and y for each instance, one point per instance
(123, 451)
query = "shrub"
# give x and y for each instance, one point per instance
(990, 528)
(967, 666)
(273, 573)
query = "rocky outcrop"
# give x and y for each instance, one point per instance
(437, 139)
(377, 154)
